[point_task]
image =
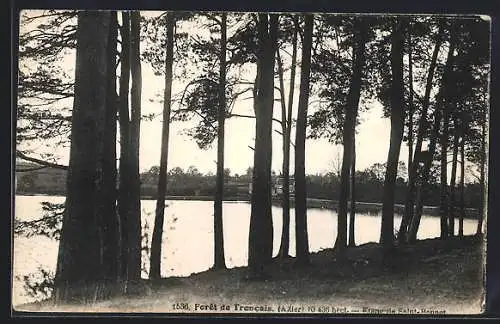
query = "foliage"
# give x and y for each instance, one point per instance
(46, 38)
(471, 92)
(200, 97)
(203, 99)
(145, 247)
(369, 184)
(38, 285)
(154, 36)
(49, 225)
(331, 69)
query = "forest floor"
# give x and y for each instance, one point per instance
(432, 276)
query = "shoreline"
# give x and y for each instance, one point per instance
(362, 207)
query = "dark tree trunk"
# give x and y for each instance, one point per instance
(81, 265)
(462, 186)
(285, 238)
(285, 196)
(482, 176)
(156, 240)
(350, 119)
(410, 100)
(261, 225)
(443, 203)
(442, 101)
(397, 129)
(124, 120)
(219, 261)
(134, 222)
(422, 130)
(446, 106)
(352, 209)
(415, 221)
(443, 208)
(111, 227)
(452, 206)
(301, 237)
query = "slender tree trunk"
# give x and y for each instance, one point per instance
(422, 129)
(301, 237)
(219, 260)
(447, 102)
(124, 120)
(397, 129)
(261, 225)
(285, 194)
(443, 208)
(81, 264)
(134, 222)
(442, 99)
(410, 101)
(111, 228)
(156, 240)
(285, 237)
(352, 216)
(462, 188)
(452, 207)
(256, 86)
(415, 221)
(482, 177)
(350, 119)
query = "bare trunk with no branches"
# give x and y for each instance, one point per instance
(302, 239)
(156, 240)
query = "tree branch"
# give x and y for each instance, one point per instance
(248, 116)
(211, 17)
(41, 162)
(277, 131)
(31, 169)
(204, 118)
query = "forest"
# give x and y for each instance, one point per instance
(316, 72)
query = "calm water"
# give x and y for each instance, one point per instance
(188, 236)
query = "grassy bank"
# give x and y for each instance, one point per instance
(429, 277)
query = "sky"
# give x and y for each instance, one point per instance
(372, 141)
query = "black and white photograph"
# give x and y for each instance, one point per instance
(218, 162)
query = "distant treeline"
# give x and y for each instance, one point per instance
(191, 182)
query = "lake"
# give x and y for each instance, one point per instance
(188, 236)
